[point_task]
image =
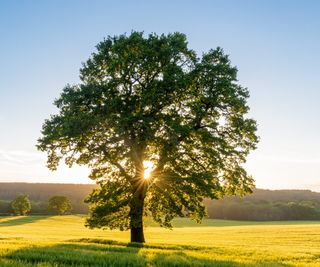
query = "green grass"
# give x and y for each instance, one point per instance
(64, 241)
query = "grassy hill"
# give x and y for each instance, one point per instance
(64, 241)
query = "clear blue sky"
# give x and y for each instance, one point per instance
(274, 44)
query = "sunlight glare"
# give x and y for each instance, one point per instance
(148, 167)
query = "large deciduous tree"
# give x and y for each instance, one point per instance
(160, 128)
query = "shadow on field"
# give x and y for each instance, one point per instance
(112, 253)
(12, 221)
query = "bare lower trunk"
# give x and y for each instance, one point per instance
(137, 234)
(136, 217)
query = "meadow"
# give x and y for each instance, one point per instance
(45, 241)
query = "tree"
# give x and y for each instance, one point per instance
(21, 205)
(59, 205)
(160, 128)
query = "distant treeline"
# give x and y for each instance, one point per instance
(261, 205)
(265, 205)
(39, 194)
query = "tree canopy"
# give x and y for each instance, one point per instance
(59, 205)
(21, 205)
(149, 102)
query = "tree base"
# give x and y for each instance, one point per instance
(137, 235)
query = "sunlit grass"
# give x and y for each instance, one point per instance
(64, 241)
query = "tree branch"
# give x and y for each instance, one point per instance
(121, 169)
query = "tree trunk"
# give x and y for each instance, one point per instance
(137, 234)
(136, 217)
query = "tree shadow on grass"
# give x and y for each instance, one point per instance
(13, 221)
(118, 254)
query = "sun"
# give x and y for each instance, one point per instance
(148, 167)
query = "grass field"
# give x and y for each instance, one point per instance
(64, 241)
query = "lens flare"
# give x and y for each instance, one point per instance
(148, 167)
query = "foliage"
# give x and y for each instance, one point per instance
(21, 205)
(59, 205)
(153, 100)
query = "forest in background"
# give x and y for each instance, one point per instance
(261, 205)
(267, 205)
(39, 194)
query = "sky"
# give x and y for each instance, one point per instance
(274, 44)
